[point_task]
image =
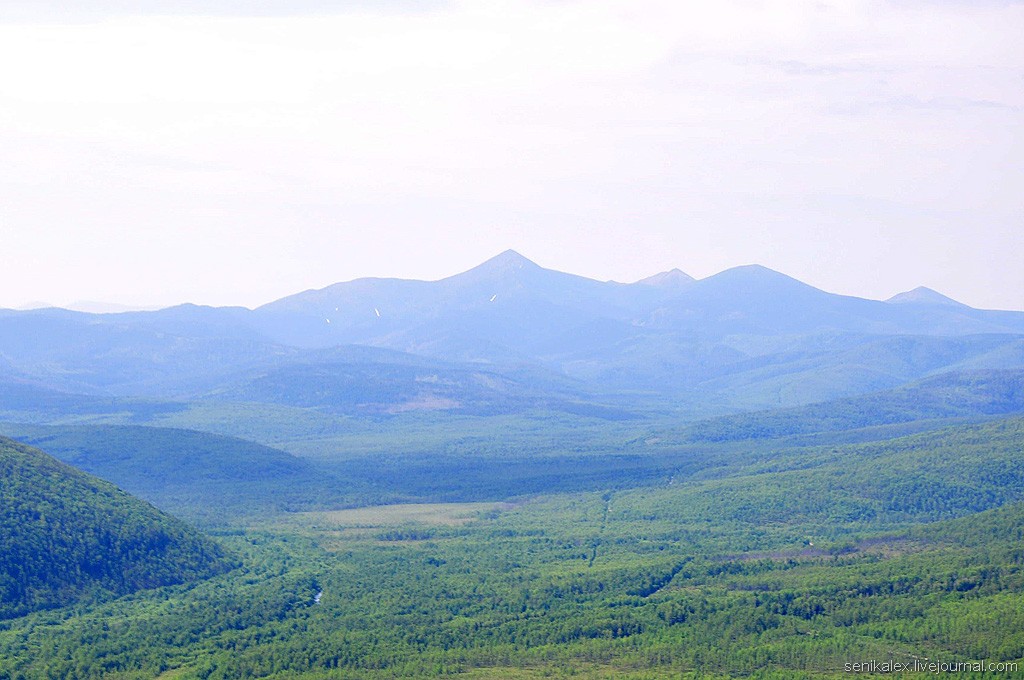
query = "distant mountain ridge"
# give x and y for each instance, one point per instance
(748, 337)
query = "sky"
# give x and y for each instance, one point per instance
(232, 153)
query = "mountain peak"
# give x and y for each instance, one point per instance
(923, 295)
(752, 274)
(754, 281)
(509, 259)
(674, 278)
(508, 263)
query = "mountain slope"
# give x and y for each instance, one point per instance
(958, 394)
(923, 295)
(506, 308)
(65, 534)
(666, 334)
(372, 381)
(203, 477)
(756, 300)
(164, 353)
(825, 368)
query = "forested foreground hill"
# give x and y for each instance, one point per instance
(65, 534)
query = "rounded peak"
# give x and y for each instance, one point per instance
(754, 281)
(754, 270)
(923, 295)
(753, 273)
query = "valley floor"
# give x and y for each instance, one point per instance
(769, 558)
(656, 582)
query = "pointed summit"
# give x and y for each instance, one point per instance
(508, 264)
(509, 260)
(924, 296)
(674, 278)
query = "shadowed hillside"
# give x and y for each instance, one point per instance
(65, 534)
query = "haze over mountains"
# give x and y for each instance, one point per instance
(425, 478)
(510, 335)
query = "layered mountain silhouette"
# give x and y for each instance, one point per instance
(511, 335)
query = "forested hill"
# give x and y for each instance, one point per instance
(65, 534)
(963, 395)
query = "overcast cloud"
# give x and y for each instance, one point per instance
(162, 156)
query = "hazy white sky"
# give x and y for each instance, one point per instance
(160, 155)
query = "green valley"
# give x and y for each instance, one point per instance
(793, 560)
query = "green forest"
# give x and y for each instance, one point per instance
(766, 560)
(64, 533)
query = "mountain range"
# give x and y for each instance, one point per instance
(510, 335)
